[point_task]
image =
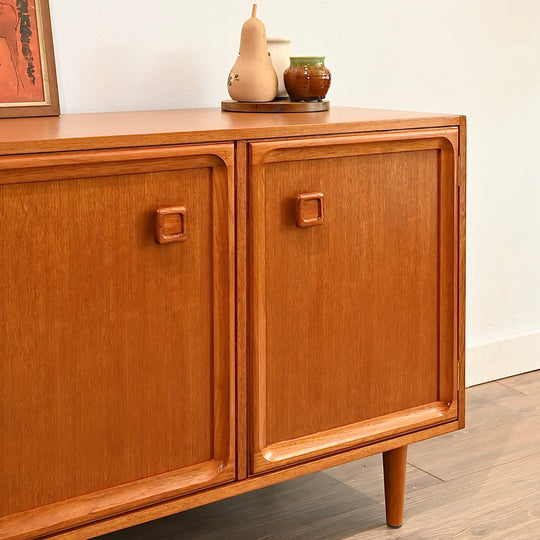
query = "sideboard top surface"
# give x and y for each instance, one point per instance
(183, 126)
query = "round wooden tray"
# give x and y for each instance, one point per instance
(276, 106)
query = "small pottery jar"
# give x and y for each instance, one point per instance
(307, 78)
(278, 47)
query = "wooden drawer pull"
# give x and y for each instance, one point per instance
(309, 209)
(171, 224)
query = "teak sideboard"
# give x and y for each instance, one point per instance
(195, 304)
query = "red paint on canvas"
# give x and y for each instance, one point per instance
(21, 79)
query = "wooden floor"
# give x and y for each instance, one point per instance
(481, 482)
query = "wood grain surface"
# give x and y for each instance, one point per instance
(249, 484)
(385, 258)
(526, 383)
(128, 393)
(145, 128)
(505, 432)
(495, 500)
(462, 195)
(276, 106)
(394, 468)
(117, 352)
(241, 310)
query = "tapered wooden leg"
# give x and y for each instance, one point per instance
(394, 465)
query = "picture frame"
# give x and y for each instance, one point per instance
(28, 85)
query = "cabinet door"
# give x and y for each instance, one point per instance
(352, 291)
(116, 351)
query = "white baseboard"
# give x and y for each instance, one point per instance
(499, 359)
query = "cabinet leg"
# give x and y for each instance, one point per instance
(394, 465)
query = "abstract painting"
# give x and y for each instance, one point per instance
(27, 68)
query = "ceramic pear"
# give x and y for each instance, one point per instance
(253, 78)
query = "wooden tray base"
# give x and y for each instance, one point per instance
(276, 106)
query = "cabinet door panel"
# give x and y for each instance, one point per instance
(116, 377)
(352, 321)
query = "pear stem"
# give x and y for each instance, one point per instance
(254, 11)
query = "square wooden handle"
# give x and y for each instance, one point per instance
(309, 209)
(171, 224)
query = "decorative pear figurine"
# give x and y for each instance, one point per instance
(253, 78)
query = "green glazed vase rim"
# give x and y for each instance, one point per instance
(307, 60)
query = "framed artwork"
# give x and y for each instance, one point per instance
(27, 70)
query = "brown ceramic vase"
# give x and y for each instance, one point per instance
(307, 78)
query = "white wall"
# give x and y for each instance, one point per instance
(477, 57)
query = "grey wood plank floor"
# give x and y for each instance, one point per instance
(480, 482)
